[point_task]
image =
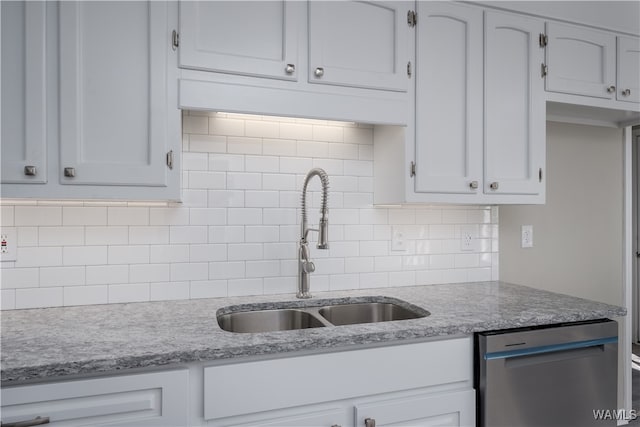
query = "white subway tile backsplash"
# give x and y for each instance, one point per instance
(168, 291)
(27, 236)
(39, 297)
(131, 292)
(62, 276)
(85, 295)
(190, 271)
(11, 278)
(236, 230)
(107, 274)
(37, 215)
(139, 273)
(128, 254)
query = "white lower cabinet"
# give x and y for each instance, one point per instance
(153, 399)
(426, 383)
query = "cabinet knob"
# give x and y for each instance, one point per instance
(319, 72)
(70, 172)
(494, 185)
(30, 171)
(626, 92)
(370, 422)
(473, 185)
(290, 69)
(611, 89)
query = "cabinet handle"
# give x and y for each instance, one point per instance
(473, 185)
(336, 425)
(626, 92)
(70, 172)
(611, 89)
(319, 72)
(290, 69)
(28, 423)
(494, 185)
(30, 171)
(370, 422)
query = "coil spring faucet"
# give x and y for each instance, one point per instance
(305, 266)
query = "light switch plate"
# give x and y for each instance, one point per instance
(8, 244)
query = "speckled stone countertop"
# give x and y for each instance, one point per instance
(39, 344)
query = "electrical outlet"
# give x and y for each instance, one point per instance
(467, 241)
(527, 236)
(8, 244)
(398, 239)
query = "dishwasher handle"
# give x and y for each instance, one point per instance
(550, 348)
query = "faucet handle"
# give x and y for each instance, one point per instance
(308, 267)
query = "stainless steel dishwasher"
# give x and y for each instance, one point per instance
(547, 376)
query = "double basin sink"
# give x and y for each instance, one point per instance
(285, 316)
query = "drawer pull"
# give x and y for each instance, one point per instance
(30, 171)
(37, 421)
(370, 422)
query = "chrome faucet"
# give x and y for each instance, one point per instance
(305, 266)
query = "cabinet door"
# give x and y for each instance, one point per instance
(118, 114)
(256, 38)
(23, 92)
(157, 399)
(628, 69)
(438, 409)
(448, 98)
(514, 139)
(359, 44)
(581, 61)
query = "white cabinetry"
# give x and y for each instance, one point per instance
(24, 140)
(581, 61)
(433, 383)
(479, 113)
(514, 115)
(359, 44)
(257, 38)
(113, 122)
(448, 99)
(628, 69)
(345, 60)
(156, 399)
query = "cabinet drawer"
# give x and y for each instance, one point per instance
(157, 399)
(443, 409)
(250, 387)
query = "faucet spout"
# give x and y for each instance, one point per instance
(305, 266)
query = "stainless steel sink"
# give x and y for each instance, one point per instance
(268, 321)
(368, 312)
(316, 314)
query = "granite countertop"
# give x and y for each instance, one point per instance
(39, 344)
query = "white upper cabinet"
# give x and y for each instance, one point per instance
(256, 38)
(359, 44)
(628, 69)
(514, 113)
(448, 118)
(581, 61)
(24, 140)
(118, 117)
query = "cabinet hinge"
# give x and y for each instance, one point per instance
(175, 39)
(170, 159)
(540, 175)
(412, 170)
(543, 40)
(544, 70)
(409, 70)
(412, 18)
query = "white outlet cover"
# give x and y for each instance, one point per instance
(9, 236)
(398, 239)
(468, 239)
(527, 236)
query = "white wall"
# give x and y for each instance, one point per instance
(236, 232)
(578, 233)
